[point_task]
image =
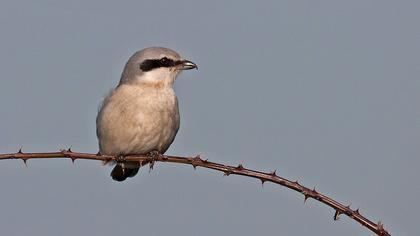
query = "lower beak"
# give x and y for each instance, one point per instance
(187, 65)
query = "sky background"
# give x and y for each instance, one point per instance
(326, 92)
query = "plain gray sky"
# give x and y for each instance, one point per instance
(326, 92)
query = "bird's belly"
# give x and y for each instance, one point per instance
(138, 126)
(155, 133)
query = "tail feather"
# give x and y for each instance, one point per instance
(123, 170)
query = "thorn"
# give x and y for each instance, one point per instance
(69, 150)
(206, 160)
(73, 159)
(197, 158)
(306, 196)
(380, 226)
(24, 161)
(240, 167)
(297, 182)
(20, 150)
(337, 215)
(262, 182)
(314, 190)
(227, 172)
(273, 173)
(349, 211)
(357, 211)
(195, 161)
(99, 153)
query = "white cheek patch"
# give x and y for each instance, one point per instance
(159, 75)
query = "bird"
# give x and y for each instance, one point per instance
(140, 116)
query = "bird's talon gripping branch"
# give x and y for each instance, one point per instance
(120, 158)
(153, 156)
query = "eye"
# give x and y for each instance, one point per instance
(166, 62)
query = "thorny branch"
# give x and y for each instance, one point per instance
(377, 228)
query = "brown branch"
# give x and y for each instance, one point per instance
(339, 208)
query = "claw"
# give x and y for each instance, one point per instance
(24, 162)
(153, 157)
(120, 158)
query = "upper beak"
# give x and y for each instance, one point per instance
(187, 65)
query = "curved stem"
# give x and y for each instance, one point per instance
(339, 208)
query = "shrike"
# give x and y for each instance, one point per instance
(140, 116)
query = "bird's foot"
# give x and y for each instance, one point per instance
(120, 158)
(153, 156)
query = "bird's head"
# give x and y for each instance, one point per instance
(154, 66)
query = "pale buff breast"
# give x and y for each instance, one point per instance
(137, 120)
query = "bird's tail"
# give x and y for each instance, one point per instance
(123, 170)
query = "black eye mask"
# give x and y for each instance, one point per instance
(148, 65)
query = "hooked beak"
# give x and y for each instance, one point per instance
(187, 65)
